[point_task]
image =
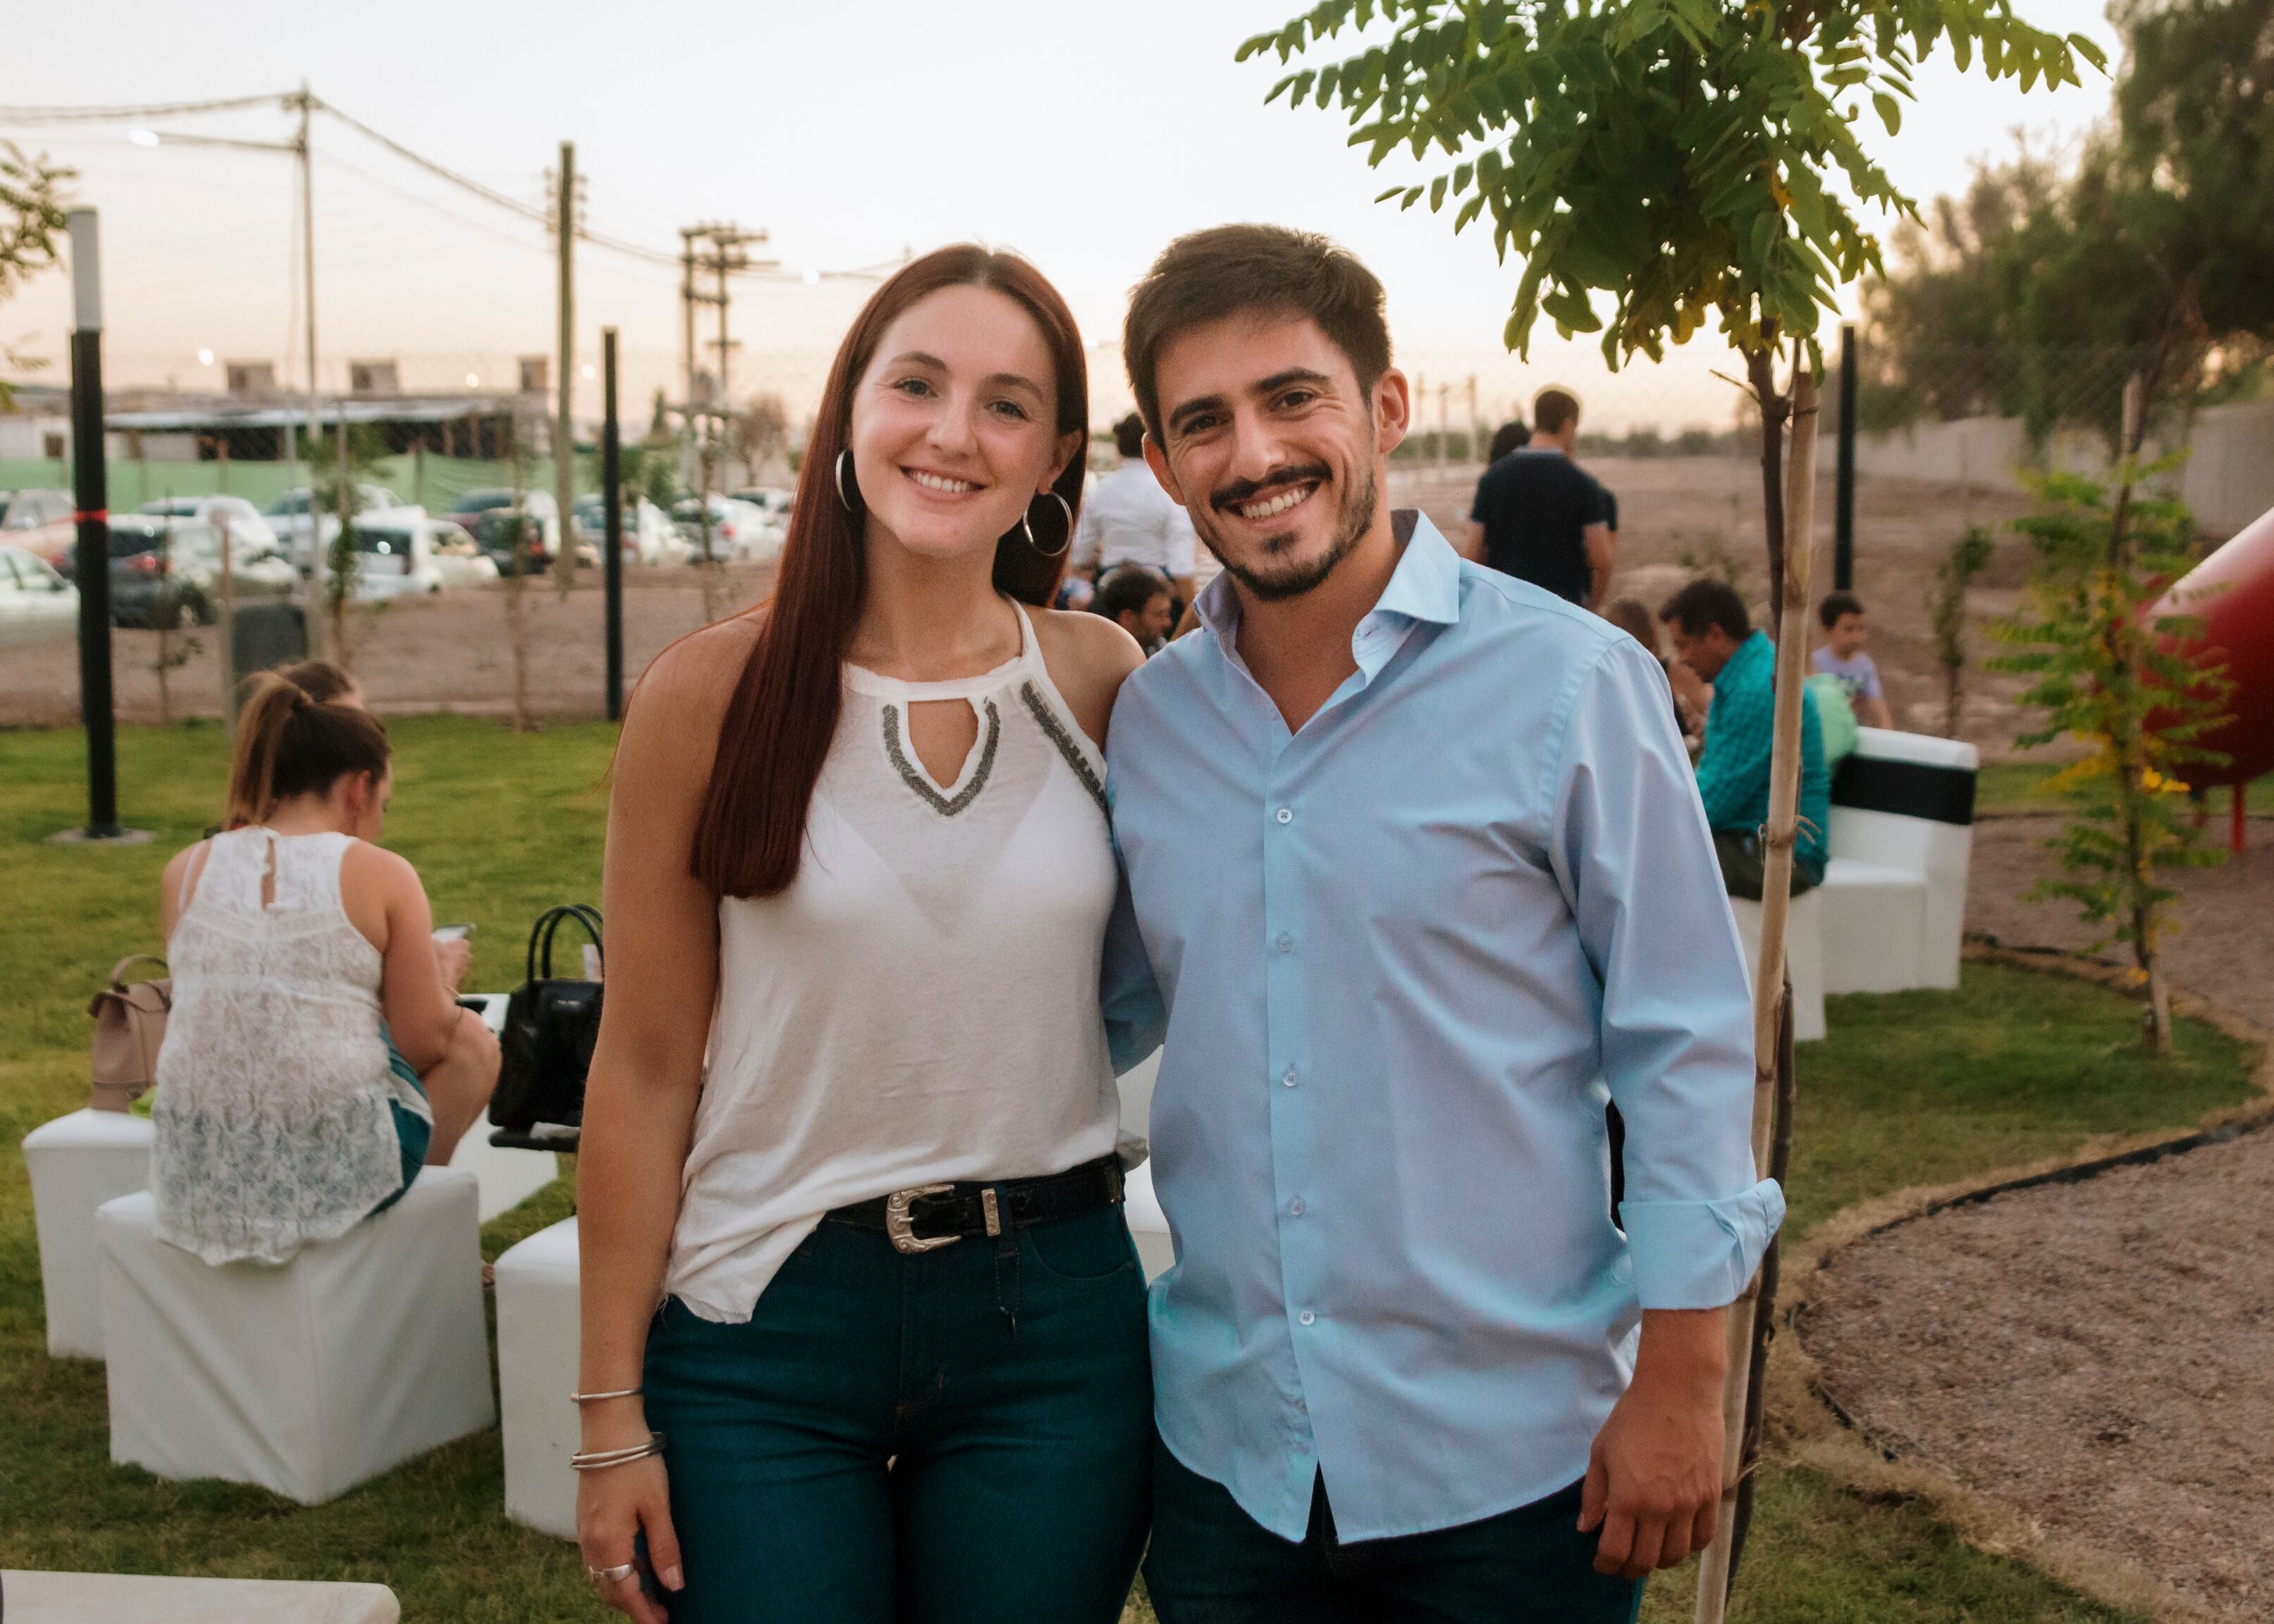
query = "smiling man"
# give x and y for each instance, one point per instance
(1422, 883)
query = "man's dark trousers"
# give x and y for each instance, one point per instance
(1211, 1563)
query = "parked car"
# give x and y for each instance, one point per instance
(740, 533)
(650, 537)
(166, 571)
(771, 499)
(459, 558)
(40, 521)
(288, 516)
(37, 604)
(488, 515)
(250, 533)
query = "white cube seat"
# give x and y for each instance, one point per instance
(78, 1162)
(1804, 956)
(1148, 1225)
(538, 1331)
(146, 1598)
(1873, 917)
(1905, 801)
(308, 1377)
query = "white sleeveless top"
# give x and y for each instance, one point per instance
(920, 1005)
(271, 1110)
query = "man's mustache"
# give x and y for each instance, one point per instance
(1244, 490)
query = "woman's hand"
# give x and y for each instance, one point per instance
(616, 1505)
(453, 958)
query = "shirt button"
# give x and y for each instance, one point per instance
(1295, 1206)
(1307, 1316)
(1286, 944)
(1288, 1079)
(1286, 814)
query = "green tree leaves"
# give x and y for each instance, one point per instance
(1668, 154)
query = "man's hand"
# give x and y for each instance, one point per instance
(1654, 1481)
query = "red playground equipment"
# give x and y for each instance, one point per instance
(2233, 592)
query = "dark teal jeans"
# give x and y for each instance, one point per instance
(958, 1436)
(1211, 1563)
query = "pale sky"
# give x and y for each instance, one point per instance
(1082, 134)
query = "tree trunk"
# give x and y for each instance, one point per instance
(1764, 1315)
(1791, 564)
(1760, 368)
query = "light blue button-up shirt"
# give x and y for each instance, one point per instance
(1406, 955)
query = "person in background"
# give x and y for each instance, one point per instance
(1715, 640)
(1632, 616)
(1129, 519)
(1507, 440)
(1542, 518)
(1846, 626)
(1139, 602)
(315, 1057)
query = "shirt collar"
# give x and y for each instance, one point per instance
(1424, 586)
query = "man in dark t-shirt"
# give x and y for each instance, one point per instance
(1542, 517)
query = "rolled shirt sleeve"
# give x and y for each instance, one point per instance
(1632, 852)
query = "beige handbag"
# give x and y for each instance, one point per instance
(130, 1024)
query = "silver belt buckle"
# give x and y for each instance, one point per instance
(902, 1227)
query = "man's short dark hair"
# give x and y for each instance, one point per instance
(1834, 606)
(1511, 436)
(1128, 590)
(1129, 436)
(1706, 602)
(1553, 410)
(1269, 270)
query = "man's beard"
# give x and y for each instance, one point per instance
(1292, 581)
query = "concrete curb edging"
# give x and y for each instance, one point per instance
(1811, 1428)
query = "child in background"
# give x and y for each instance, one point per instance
(1846, 626)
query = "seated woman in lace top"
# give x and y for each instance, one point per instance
(298, 949)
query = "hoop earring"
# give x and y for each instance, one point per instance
(1027, 523)
(842, 457)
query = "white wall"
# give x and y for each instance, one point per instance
(2227, 480)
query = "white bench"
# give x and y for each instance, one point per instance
(537, 1339)
(31, 1598)
(78, 1162)
(1901, 841)
(1804, 957)
(305, 1378)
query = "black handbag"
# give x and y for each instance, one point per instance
(551, 1025)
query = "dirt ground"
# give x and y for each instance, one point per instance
(451, 650)
(2224, 948)
(2096, 1353)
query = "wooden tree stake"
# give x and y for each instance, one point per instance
(1778, 837)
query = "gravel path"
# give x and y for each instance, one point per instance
(2100, 1354)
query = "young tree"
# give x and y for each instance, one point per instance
(1945, 609)
(31, 219)
(1669, 157)
(2108, 675)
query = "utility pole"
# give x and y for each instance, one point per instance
(612, 525)
(1843, 488)
(564, 433)
(90, 495)
(727, 251)
(312, 610)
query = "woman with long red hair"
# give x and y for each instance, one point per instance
(864, 1330)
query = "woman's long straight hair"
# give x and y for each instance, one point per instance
(785, 709)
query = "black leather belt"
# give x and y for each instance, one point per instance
(929, 1216)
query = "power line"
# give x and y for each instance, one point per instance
(160, 109)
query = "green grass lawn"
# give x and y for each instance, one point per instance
(1912, 1088)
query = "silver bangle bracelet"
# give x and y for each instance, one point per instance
(594, 1398)
(600, 1460)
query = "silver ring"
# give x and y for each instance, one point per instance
(617, 1575)
(841, 497)
(1027, 523)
